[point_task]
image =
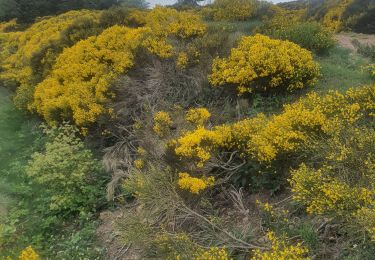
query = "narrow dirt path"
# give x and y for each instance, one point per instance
(345, 39)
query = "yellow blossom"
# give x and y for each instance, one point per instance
(194, 185)
(198, 116)
(260, 63)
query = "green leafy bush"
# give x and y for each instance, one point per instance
(309, 35)
(68, 173)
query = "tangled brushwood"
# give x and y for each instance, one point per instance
(236, 130)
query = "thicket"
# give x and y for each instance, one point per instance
(198, 171)
(64, 186)
(27, 11)
(343, 15)
(333, 132)
(309, 35)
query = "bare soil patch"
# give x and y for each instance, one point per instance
(345, 39)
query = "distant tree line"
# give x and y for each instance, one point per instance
(27, 10)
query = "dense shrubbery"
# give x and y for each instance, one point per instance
(310, 35)
(330, 131)
(234, 10)
(26, 11)
(205, 172)
(63, 187)
(71, 178)
(265, 139)
(338, 15)
(79, 85)
(263, 64)
(28, 56)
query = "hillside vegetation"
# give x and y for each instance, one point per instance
(236, 130)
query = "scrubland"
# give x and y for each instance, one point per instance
(237, 130)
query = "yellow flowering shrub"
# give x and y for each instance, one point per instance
(79, 85)
(263, 139)
(167, 22)
(162, 123)
(28, 254)
(194, 185)
(261, 63)
(341, 183)
(281, 19)
(213, 253)
(234, 10)
(333, 17)
(199, 144)
(21, 47)
(324, 194)
(366, 218)
(281, 251)
(198, 116)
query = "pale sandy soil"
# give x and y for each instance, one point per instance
(345, 39)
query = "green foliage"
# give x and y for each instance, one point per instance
(309, 35)
(26, 218)
(27, 11)
(69, 174)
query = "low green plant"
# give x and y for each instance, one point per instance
(69, 174)
(309, 35)
(55, 197)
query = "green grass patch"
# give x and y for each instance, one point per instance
(341, 70)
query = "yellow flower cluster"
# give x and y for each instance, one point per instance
(281, 251)
(261, 63)
(4, 26)
(234, 10)
(79, 85)
(182, 60)
(366, 218)
(194, 185)
(162, 123)
(282, 19)
(167, 22)
(18, 48)
(139, 164)
(28, 254)
(199, 144)
(324, 194)
(333, 18)
(213, 253)
(198, 116)
(263, 139)
(272, 213)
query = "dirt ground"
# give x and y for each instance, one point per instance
(111, 239)
(345, 39)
